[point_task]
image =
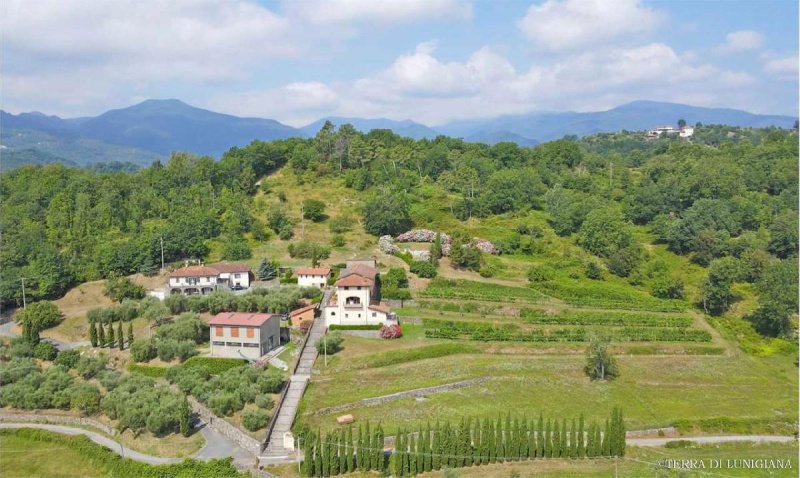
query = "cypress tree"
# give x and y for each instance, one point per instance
(412, 469)
(428, 450)
(564, 444)
(318, 455)
(120, 337)
(556, 439)
(93, 333)
(606, 440)
(598, 440)
(308, 459)
(477, 444)
(485, 440)
(581, 447)
(343, 452)
(491, 438)
(620, 433)
(524, 450)
(507, 438)
(573, 440)
(365, 454)
(360, 448)
(548, 444)
(326, 457)
(101, 335)
(406, 454)
(130, 333)
(379, 455)
(531, 439)
(333, 459)
(112, 341)
(540, 438)
(436, 461)
(348, 450)
(498, 440)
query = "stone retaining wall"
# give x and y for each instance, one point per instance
(35, 417)
(226, 429)
(419, 392)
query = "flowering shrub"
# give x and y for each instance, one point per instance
(422, 235)
(305, 325)
(387, 246)
(484, 246)
(391, 332)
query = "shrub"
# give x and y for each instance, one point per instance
(119, 288)
(594, 271)
(396, 277)
(338, 240)
(265, 402)
(147, 371)
(666, 287)
(314, 210)
(214, 365)
(423, 269)
(45, 351)
(187, 327)
(143, 350)
(254, 420)
(68, 358)
(308, 250)
(85, 398)
(88, 367)
(224, 403)
(236, 249)
(330, 343)
(540, 273)
(391, 332)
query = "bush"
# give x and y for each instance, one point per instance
(391, 332)
(45, 351)
(187, 327)
(338, 240)
(68, 358)
(214, 365)
(396, 277)
(593, 271)
(148, 371)
(236, 249)
(265, 402)
(143, 350)
(308, 250)
(224, 403)
(85, 398)
(666, 287)
(88, 367)
(314, 210)
(423, 269)
(119, 288)
(540, 273)
(254, 420)
(331, 343)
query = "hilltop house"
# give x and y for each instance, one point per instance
(354, 300)
(244, 334)
(192, 280)
(312, 276)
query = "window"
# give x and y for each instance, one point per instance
(234, 331)
(374, 314)
(233, 344)
(250, 332)
(347, 288)
(236, 276)
(218, 343)
(346, 316)
(250, 345)
(333, 314)
(218, 331)
(359, 316)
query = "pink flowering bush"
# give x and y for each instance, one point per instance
(391, 331)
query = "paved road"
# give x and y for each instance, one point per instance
(5, 331)
(711, 439)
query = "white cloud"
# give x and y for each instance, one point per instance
(329, 12)
(741, 41)
(787, 65)
(419, 86)
(561, 25)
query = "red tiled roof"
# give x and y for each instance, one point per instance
(243, 319)
(231, 267)
(194, 271)
(301, 310)
(362, 270)
(312, 271)
(354, 280)
(380, 307)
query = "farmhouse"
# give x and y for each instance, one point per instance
(313, 276)
(354, 300)
(244, 334)
(192, 280)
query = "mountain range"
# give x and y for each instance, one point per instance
(153, 129)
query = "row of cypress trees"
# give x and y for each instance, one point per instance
(469, 443)
(100, 338)
(336, 453)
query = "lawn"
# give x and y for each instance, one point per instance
(654, 390)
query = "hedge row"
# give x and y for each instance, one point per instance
(419, 353)
(213, 364)
(356, 327)
(604, 318)
(148, 370)
(474, 290)
(626, 334)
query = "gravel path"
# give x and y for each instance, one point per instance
(711, 439)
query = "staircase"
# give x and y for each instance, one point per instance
(287, 406)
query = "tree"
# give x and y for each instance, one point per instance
(120, 288)
(604, 232)
(387, 213)
(423, 269)
(101, 335)
(112, 341)
(236, 248)
(600, 364)
(436, 248)
(37, 317)
(314, 210)
(93, 333)
(717, 295)
(778, 292)
(681, 123)
(130, 333)
(267, 270)
(120, 336)
(783, 234)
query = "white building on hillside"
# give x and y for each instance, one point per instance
(355, 298)
(192, 280)
(244, 334)
(312, 276)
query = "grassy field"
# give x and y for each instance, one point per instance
(27, 453)
(655, 390)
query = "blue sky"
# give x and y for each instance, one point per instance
(432, 61)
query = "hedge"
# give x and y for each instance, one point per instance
(356, 327)
(213, 364)
(147, 370)
(604, 318)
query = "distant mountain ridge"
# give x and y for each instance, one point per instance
(153, 129)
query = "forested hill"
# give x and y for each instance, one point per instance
(730, 208)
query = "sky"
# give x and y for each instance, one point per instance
(432, 61)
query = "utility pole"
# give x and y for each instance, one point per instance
(299, 473)
(162, 252)
(325, 348)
